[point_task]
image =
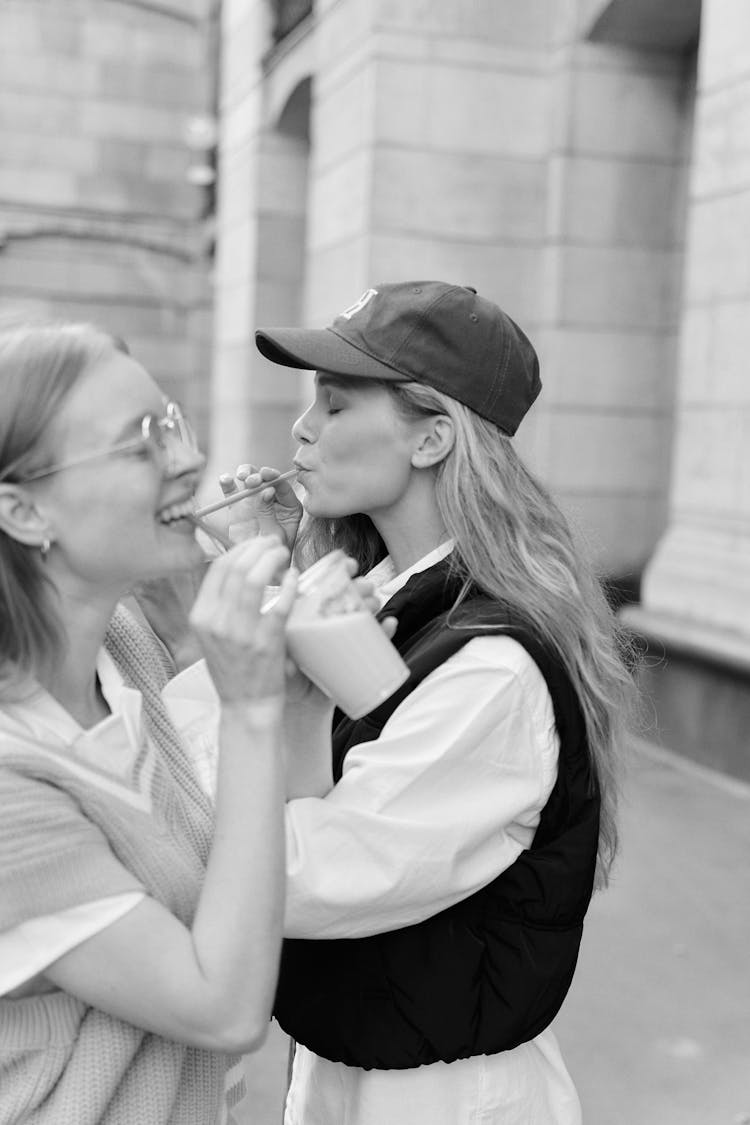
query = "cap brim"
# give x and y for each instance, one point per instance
(321, 349)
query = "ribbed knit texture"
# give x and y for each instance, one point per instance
(73, 832)
(142, 665)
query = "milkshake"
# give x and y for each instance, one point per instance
(338, 644)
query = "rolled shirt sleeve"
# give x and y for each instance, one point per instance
(435, 808)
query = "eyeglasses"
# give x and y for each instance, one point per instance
(165, 438)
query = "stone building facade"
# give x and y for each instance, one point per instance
(104, 110)
(582, 162)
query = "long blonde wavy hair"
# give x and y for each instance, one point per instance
(514, 544)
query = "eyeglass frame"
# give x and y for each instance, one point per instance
(173, 421)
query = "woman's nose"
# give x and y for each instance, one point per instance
(301, 430)
(183, 460)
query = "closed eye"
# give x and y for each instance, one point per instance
(334, 404)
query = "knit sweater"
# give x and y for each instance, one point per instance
(110, 812)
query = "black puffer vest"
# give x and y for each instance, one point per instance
(490, 972)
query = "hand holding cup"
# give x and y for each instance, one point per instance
(336, 641)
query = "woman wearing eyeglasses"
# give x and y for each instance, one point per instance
(139, 927)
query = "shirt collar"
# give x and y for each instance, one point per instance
(40, 714)
(387, 582)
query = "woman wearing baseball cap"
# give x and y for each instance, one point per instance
(437, 889)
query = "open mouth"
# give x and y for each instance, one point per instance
(175, 513)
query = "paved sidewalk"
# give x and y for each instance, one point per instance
(656, 1028)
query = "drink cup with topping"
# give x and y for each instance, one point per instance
(338, 644)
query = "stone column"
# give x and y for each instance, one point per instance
(696, 591)
(613, 242)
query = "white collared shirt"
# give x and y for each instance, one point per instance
(443, 801)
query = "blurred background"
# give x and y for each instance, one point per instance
(185, 171)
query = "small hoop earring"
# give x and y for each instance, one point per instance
(44, 549)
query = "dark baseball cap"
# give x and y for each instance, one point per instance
(446, 336)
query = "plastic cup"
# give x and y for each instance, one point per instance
(338, 644)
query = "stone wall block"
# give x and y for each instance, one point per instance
(170, 162)
(620, 202)
(343, 119)
(282, 177)
(135, 194)
(609, 370)
(170, 84)
(517, 22)
(340, 202)
(714, 355)
(278, 302)
(235, 12)
(45, 187)
(38, 114)
(237, 187)
(239, 125)
(280, 246)
(696, 352)
(712, 464)
(725, 43)
(234, 316)
(647, 108)
(23, 149)
(34, 70)
(463, 109)
(729, 380)
(715, 270)
(150, 41)
(60, 35)
(233, 362)
(58, 266)
(462, 196)
(618, 530)
(155, 160)
(235, 254)
(596, 452)
(342, 31)
(21, 27)
(130, 121)
(617, 287)
(701, 575)
(723, 150)
(239, 57)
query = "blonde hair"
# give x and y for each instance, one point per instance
(40, 361)
(514, 544)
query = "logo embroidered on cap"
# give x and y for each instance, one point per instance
(360, 304)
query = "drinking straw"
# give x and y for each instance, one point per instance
(233, 497)
(218, 536)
